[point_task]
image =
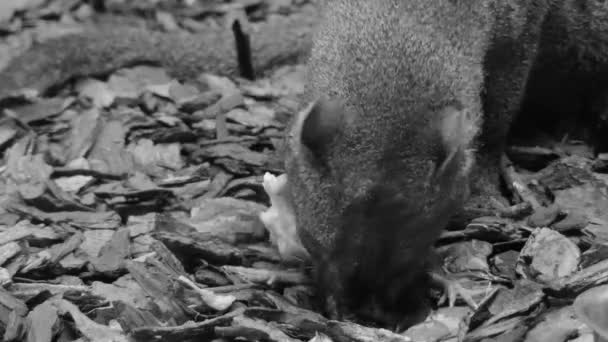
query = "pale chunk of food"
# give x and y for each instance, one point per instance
(280, 220)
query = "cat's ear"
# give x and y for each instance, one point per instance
(322, 123)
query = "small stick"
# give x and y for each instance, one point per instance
(215, 301)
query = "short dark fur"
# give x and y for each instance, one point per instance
(398, 69)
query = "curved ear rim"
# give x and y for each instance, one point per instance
(321, 125)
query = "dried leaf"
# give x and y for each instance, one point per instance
(153, 158)
(590, 307)
(548, 256)
(99, 92)
(236, 152)
(467, 256)
(108, 155)
(84, 132)
(42, 323)
(230, 219)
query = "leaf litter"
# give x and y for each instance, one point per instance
(137, 207)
